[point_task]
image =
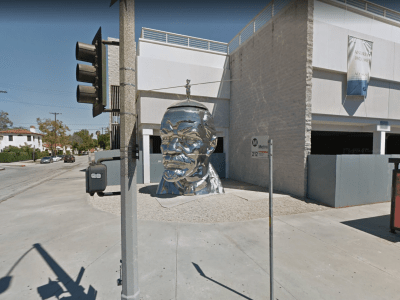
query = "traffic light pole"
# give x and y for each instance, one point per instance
(127, 64)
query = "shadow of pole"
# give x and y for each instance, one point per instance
(53, 288)
(6, 280)
(224, 286)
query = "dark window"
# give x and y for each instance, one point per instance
(155, 144)
(335, 143)
(392, 143)
(29, 138)
(220, 146)
(10, 138)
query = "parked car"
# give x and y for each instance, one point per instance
(46, 160)
(56, 158)
(61, 157)
(69, 158)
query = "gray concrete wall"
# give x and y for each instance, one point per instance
(273, 96)
(322, 178)
(347, 180)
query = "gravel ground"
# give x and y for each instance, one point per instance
(227, 207)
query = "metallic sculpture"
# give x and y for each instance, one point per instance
(188, 138)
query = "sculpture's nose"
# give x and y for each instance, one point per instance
(174, 146)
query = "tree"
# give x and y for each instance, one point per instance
(103, 139)
(82, 140)
(48, 127)
(4, 120)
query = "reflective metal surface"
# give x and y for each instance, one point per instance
(188, 138)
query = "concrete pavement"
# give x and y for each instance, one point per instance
(52, 243)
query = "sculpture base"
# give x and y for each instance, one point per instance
(169, 201)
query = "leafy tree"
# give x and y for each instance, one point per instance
(83, 141)
(4, 120)
(103, 140)
(48, 127)
(75, 140)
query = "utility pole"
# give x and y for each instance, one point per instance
(55, 129)
(127, 74)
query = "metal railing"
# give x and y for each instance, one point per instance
(373, 8)
(183, 40)
(274, 7)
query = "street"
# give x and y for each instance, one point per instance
(15, 178)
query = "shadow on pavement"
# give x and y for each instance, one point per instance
(5, 281)
(224, 286)
(378, 226)
(53, 288)
(152, 190)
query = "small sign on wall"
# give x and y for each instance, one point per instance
(259, 147)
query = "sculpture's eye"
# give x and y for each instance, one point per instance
(190, 141)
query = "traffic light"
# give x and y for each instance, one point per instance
(94, 74)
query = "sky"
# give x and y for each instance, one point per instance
(38, 39)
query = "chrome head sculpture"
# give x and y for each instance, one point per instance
(188, 138)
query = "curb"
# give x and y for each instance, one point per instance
(2, 169)
(14, 166)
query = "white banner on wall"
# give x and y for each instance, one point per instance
(359, 57)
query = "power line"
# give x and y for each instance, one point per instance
(30, 89)
(69, 107)
(173, 87)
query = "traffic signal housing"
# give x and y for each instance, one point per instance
(94, 74)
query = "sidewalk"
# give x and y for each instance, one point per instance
(74, 250)
(23, 163)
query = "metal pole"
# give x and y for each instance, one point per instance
(271, 253)
(55, 129)
(127, 65)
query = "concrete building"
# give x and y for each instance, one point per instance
(21, 137)
(288, 68)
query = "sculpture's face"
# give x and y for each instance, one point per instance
(188, 139)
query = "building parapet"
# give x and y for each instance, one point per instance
(262, 18)
(370, 7)
(183, 40)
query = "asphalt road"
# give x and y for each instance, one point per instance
(15, 179)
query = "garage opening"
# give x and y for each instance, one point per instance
(392, 143)
(335, 143)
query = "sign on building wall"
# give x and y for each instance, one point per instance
(259, 147)
(359, 56)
